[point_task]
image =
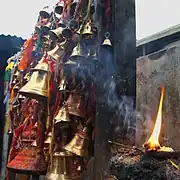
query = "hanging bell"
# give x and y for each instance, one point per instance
(62, 167)
(41, 66)
(45, 12)
(46, 28)
(79, 144)
(59, 8)
(58, 52)
(62, 118)
(37, 86)
(76, 105)
(87, 32)
(62, 84)
(107, 42)
(77, 54)
(24, 162)
(56, 34)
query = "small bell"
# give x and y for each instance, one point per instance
(59, 8)
(62, 84)
(107, 43)
(46, 28)
(87, 32)
(58, 52)
(45, 12)
(79, 144)
(37, 86)
(62, 118)
(77, 54)
(56, 34)
(62, 167)
(76, 105)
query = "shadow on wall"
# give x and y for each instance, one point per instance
(9, 45)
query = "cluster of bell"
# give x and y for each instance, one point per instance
(37, 86)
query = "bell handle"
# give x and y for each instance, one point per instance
(107, 35)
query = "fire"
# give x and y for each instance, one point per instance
(153, 142)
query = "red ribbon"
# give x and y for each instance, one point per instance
(108, 12)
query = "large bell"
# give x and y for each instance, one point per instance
(58, 52)
(62, 118)
(37, 86)
(62, 167)
(59, 7)
(76, 105)
(56, 34)
(24, 162)
(79, 144)
(77, 54)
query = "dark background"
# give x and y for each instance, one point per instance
(9, 45)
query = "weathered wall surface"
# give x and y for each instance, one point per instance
(161, 68)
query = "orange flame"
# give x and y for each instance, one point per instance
(153, 141)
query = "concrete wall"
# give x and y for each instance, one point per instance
(160, 68)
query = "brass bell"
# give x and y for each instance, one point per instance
(62, 167)
(46, 28)
(69, 63)
(62, 84)
(87, 31)
(45, 12)
(37, 86)
(41, 66)
(79, 144)
(107, 42)
(56, 34)
(76, 105)
(59, 7)
(58, 52)
(77, 54)
(92, 54)
(62, 118)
